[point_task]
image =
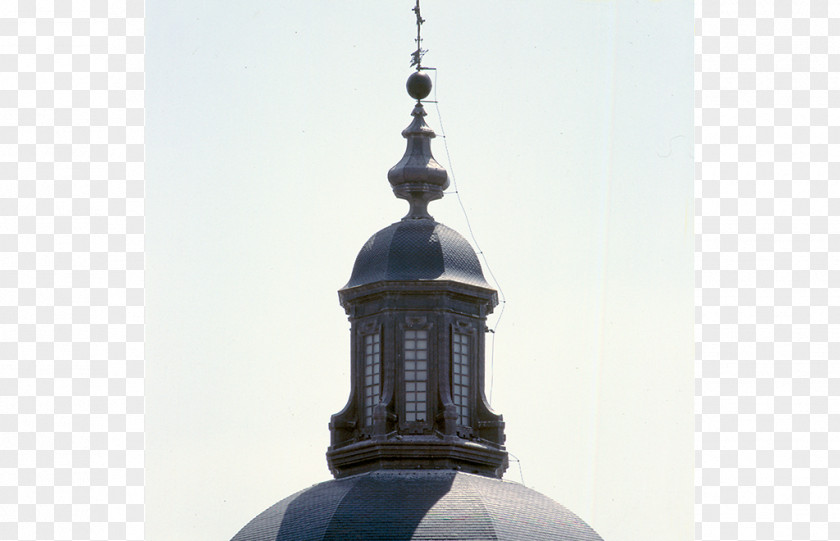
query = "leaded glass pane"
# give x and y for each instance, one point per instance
(415, 348)
(460, 377)
(372, 362)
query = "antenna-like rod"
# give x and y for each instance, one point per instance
(417, 55)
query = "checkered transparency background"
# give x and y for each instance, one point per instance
(767, 234)
(767, 270)
(71, 270)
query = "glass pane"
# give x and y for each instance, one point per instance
(460, 376)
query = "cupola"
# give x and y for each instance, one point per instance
(418, 302)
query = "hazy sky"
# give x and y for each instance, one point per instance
(271, 126)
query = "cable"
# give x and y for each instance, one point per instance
(502, 300)
(519, 464)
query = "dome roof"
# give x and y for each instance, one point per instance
(407, 504)
(417, 250)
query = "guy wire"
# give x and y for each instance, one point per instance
(518, 463)
(475, 242)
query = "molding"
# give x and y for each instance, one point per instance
(368, 327)
(417, 322)
(427, 452)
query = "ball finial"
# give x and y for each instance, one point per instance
(418, 85)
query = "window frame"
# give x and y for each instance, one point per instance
(461, 375)
(416, 361)
(374, 362)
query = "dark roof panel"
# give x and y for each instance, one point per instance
(417, 250)
(417, 505)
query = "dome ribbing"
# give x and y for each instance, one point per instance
(397, 505)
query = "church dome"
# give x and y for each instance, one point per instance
(426, 504)
(417, 250)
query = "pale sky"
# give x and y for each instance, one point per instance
(271, 126)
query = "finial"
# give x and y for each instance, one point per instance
(418, 178)
(419, 85)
